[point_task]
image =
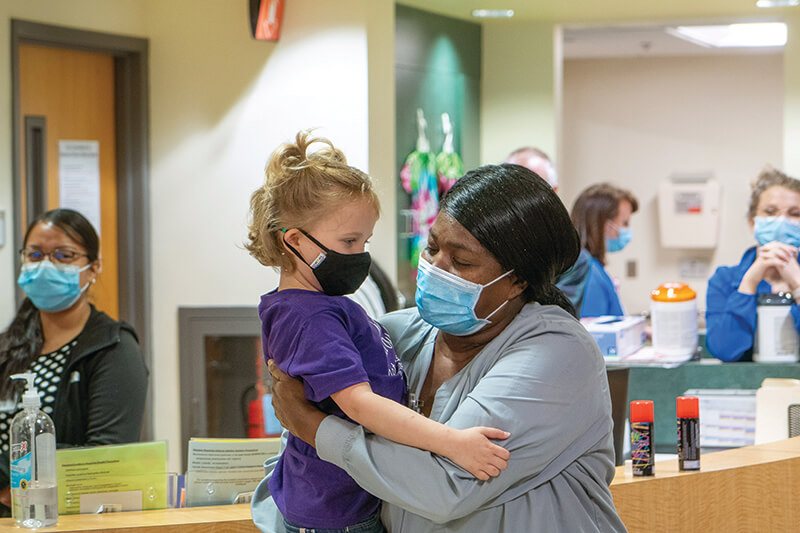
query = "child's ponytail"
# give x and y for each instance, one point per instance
(298, 187)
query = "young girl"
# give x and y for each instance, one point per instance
(312, 219)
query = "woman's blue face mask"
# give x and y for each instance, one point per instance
(51, 287)
(781, 229)
(447, 302)
(621, 241)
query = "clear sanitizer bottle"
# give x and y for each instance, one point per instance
(34, 493)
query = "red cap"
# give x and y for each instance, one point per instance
(687, 407)
(642, 411)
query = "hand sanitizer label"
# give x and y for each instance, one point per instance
(21, 471)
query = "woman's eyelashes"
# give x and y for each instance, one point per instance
(460, 263)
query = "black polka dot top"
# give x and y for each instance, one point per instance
(48, 369)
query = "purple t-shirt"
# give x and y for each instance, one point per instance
(331, 344)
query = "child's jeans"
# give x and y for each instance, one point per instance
(370, 525)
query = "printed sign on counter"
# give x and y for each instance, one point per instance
(221, 469)
(126, 477)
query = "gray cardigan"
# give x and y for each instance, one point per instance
(542, 379)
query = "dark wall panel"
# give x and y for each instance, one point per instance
(437, 69)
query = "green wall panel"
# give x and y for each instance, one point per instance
(437, 69)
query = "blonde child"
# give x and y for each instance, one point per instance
(312, 219)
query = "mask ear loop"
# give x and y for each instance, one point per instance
(314, 264)
(90, 282)
(490, 315)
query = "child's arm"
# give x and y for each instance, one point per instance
(469, 448)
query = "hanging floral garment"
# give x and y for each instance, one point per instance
(419, 179)
(449, 166)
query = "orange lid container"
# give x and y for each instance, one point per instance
(687, 406)
(673, 292)
(641, 411)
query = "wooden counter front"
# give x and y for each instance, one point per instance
(750, 489)
(218, 519)
(756, 488)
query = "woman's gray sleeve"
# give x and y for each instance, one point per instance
(547, 401)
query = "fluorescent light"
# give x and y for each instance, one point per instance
(733, 35)
(777, 3)
(493, 13)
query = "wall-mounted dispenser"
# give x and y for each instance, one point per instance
(688, 210)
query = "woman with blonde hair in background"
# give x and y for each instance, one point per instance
(770, 267)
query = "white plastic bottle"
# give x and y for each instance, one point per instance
(34, 493)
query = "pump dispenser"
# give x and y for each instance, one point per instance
(34, 493)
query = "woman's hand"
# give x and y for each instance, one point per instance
(772, 263)
(789, 272)
(5, 496)
(292, 409)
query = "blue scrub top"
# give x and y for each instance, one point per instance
(731, 316)
(600, 297)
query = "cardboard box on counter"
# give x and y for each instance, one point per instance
(617, 335)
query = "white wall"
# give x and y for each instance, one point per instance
(518, 104)
(220, 102)
(633, 122)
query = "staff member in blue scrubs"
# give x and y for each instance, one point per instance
(770, 267)
(602, 216)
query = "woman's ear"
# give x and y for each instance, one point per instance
(518, 286)
(96, 268)
(609, 230)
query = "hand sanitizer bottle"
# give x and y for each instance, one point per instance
(34, 494)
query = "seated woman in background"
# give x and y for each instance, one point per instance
(602, 215)
(89, 368)
(770, 267)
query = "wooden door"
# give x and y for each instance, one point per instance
(74, 92)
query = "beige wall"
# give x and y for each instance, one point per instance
(633, 122)
(518, 105)
(220, 102)
(791, 111)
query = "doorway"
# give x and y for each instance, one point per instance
(83, 91)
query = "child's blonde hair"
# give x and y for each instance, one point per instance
(300, 187)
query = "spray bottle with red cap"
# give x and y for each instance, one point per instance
(642, 441)
(688, 409)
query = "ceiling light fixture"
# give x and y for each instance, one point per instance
(777, 3)
(493, 13)
(757, 34)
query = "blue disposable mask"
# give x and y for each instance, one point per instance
(447, 302)
(621, 241)
(781, 229)
(51, 287)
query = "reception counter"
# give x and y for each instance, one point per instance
(219, 519)
(755, 488)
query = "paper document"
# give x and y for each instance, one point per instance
(90, 477)
(79, 178)
(220, 469)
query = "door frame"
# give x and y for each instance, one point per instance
(131, 104)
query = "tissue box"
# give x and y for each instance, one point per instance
(617, 335)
